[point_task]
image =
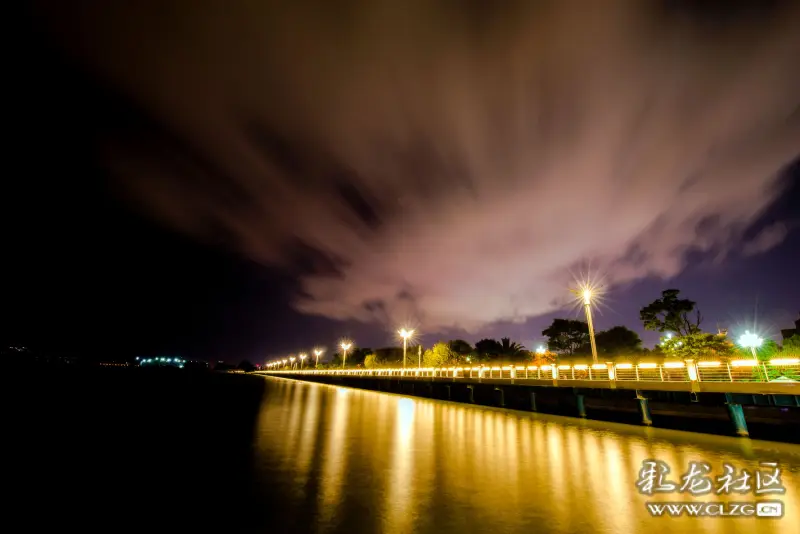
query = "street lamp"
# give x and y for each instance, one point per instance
(302, 359)
(291, 359)
(541, 350)
(405, 334)
(750, 341)
(317, 353)
(284, 363)
(345, 345)
(587, 295)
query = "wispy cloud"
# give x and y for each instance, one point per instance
(453, 163)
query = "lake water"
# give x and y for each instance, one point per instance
(138, 450)
(353, 461)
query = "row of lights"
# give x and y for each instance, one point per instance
(290, 361)
(180, 362)
(692, 368)
(346, 345)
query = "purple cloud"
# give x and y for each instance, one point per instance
(450, 166)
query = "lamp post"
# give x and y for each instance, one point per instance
(345, 345)
(291, 359)
(750, 341)
(587, 304)
(284, 362)
(317, 353)
(405, 334)
(302, 359)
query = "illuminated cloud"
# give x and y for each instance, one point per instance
(448, 165)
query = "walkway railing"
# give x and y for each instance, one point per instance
(776, 370)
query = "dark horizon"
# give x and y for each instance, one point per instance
(91, 265)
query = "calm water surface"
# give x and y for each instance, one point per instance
(345, 460)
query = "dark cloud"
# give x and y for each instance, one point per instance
(453, 160)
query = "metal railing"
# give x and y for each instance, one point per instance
(776, 370)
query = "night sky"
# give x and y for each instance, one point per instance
(247, 180)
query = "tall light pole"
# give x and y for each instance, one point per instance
(302, 359)
(345, 345)
(284, 362)
(291, 359)
(750, 341)
(317, 353)
(587, 304)
(405, 334)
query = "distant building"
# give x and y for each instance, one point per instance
(789, 332)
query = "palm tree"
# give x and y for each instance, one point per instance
(512, 350)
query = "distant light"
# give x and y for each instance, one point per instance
(669, 335)
(587, 296)
(405, 334)
(540, 350)
(137, 357)
(346, 345)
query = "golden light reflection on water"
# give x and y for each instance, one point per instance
(334, 459)
(386, 463)
(399, 514)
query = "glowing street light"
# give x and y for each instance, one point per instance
(587, 293)
(750, 341)
(345, 346)
(405, 334)
(284, 362)
(291, 359)
(541, 350)
(303, 356)
(317, 354)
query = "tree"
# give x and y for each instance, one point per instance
(246, 366)
(371, 361)
(460, 347)
(511, 350)
(698, 345)
(488, 348)
(544, 358)
(391, 356)
(671, 314)
(618, 340)
(567, 336)
(439, 355)
(791, 345)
